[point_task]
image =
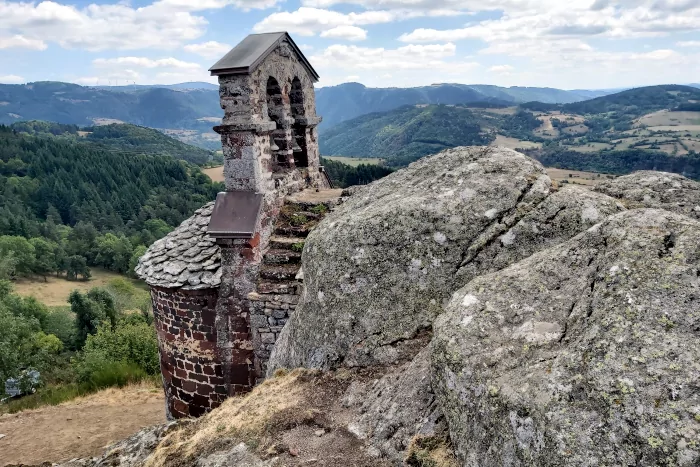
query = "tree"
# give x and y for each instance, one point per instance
(44, 257)
(77, 266)
(22, 251)
(81, 240)
(89, 315)
(113, 253)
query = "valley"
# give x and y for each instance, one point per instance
(656, 128)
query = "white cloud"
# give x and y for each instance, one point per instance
(501, 69)
(351, 57)
(310, 21)
(143, 62)
(688, 44)
(164, 24)
(410, 65)
(12, 79)
(211, 49)
(199, 5)
(21, 42)
(351, 33)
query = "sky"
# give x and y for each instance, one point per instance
(568, 44)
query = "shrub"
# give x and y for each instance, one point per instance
(133, 343)
(91, 310)
(61, 323)
(97, 370)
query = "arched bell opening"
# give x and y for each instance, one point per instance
(279, 146)
(299, 145)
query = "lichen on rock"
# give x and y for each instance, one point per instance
(584, 354)
(661, 190)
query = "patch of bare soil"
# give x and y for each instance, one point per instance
(80, 428)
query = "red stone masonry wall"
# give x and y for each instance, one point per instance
(192, 375)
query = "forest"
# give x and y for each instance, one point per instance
(68, 205)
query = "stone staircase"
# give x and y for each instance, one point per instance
(280, 283)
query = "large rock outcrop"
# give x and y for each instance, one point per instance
(585, 354)
(379, 269)
(662, 190)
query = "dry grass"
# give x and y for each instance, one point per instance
(300, 398)
(215, 173)
(579, 129)
(55, 290)
(576, 176)
(81, 427)
(279, 418)
(590, 147)
(514, 143)
(430, 452)
(505, 111)
(668, 118)
(355, 161)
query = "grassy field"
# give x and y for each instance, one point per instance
(215, 173)
(355, 161)
(590, 147)
(669, 118)
(514, 143)
(505, 111)
(577, 176)
(55, 291)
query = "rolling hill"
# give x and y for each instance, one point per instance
(347, 101)
(655, 127)
(81, 105)
(194, 106)
(403, 135)
(120, 138)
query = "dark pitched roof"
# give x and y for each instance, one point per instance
(252, 50)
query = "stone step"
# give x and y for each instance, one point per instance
(285, 243)
(280, 256)
(277, 286)
(279, 272)
(302, 231)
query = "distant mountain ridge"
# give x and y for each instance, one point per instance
(181, 106)
(81, 105)
(347, 101)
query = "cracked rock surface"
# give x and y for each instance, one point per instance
(186, 258)
(662, 190)
(380, 268)
(584, 354)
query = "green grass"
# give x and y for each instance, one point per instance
(355, 161)
(116, 375)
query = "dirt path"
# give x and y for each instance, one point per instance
(80, 428)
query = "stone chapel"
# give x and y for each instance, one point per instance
(224, 282)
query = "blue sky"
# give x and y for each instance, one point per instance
(566, 44)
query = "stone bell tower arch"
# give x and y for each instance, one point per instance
(269, 125)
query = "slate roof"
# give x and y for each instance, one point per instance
(252, 50)
(187, 258)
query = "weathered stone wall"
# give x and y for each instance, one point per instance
(268, 315)
(187, 337)
(248, 130)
